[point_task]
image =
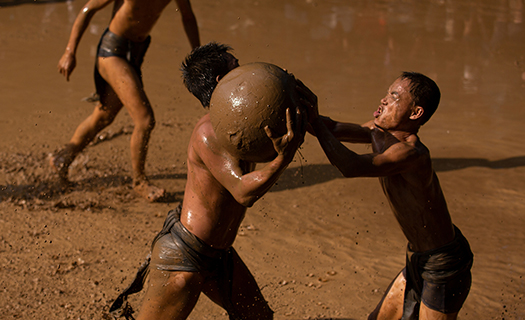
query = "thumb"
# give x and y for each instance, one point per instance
(269, 132)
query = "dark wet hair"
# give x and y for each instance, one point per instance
(425, 92)
(201, 68)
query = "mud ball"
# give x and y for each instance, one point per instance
(245, 101)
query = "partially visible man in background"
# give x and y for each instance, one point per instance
(118, 79)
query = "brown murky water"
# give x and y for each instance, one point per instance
(312, 222)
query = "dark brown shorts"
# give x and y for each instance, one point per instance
(439, 278)
(112, 45)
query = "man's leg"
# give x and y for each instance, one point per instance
(101, 117)
(170, 295)
(246, 297)
(391, 305)
(126, 83)
(425, 313)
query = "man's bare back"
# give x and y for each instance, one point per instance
(210, 210)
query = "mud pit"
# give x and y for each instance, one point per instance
(320, 246)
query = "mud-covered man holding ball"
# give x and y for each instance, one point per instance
(194, 253)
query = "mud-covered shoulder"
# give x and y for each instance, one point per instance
(420, 171)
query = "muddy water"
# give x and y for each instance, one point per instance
(347, 52)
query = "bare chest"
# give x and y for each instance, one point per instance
(134, 19)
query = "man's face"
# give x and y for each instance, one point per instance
(396, 107)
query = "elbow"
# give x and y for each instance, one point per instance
(88, 11)
(249, 204)
(247, 201)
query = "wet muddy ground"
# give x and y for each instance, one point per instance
(320, 246)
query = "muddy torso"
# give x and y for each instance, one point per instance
(134, 19)
(416, 198)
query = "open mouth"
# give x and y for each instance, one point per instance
(378, 112)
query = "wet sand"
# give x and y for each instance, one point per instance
(320, 246)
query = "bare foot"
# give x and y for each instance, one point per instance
(60, 162)
(148, 191)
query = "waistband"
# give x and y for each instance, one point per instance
(193, 242)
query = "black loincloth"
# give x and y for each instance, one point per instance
(175, 248)
(440, 278)
(112, 45)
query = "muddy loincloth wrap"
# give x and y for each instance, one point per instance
(440, 278)
(175, 248)
(112, 45)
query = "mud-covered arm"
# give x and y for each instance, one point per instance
(347, 132)
(189, 22)
(248, 187)
(342, 131)
(396, 159)
(67, 62)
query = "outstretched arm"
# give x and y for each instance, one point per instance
(395, 159)
(248, 187)
(190, 22)
(67, 63)
(346, 132)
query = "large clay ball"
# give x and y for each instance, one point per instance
(246, 100)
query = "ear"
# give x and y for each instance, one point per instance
(417, 113)
(219, 77)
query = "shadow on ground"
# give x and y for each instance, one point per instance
(305, 176)
(30, 183)
(449, 164)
